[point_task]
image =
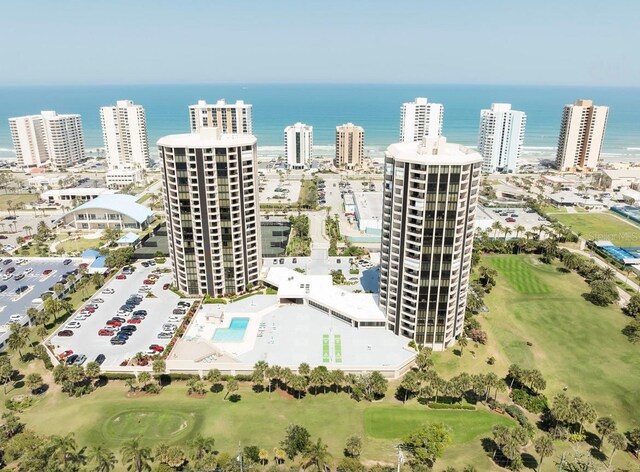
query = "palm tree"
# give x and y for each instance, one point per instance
(544, 447)
(619, 442)
(496, 226)
(507, 231)
(27, 229)
(33, 381)
(316, 455)
(104, 459)
(462, 342)
(18, 337)
(201, 446)
(64, 447)
(263, 455)
(136, 457)
(519, 229)
(279, 455)
(232, 386)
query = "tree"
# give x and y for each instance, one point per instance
(316, 454)
(18, 337)
(297, 440)
(605, 425)
(544, 447)
(64, 450)
(353, 447)
(423, 359)
(279, 455)
(214, 376)
(92, 370)
(103, 458)
(201, 446)
(263, 456)
(319, 377)
(462, 342)
(304, 369)
(633, 307)
(634, 440)
(603, 292)
(427, 443)
(158, 367)
(6, 372)
(144, 378)
(349, 464)
(136, 457)
(618, 442)
(34, 382)
(232, 386)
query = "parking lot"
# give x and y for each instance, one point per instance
(287, 191)
(528, 219)
(34, 279)
(158, 303)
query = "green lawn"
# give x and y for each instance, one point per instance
(573, 343)
(602, 226)
(109, 417)
(79, 245)
(16, 198)
(518, 274)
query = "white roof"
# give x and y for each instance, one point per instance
(320, 289)
(433, 151)
(207, 138)
(369, 205)
(78, 191)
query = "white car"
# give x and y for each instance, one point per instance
(169, 328)
(174, 319)
(144, 288)
(15, 318)
(80, 318)
(97, 300)
(108, 291)
(72, 325)
(28, 270)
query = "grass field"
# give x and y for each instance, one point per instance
(16, 198)
(109, 417)
(573, 343)
(602, 226)
(79, 245)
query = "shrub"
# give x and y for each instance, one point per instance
(209, 300)
(533, 403)
(450, 406)
(479, 336)
(518, 414)
(354, 271)
(116, 376)
(179, 376)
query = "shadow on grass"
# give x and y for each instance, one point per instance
(235, 398)
(529, 461)
(217, 388)
(563, 270)
(597, 454)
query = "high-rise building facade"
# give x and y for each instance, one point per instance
(429, 205)
(298, 145)
(210, 185)
(231, 118)
(124, 130)
(581, 135)
(420, 119)
(349, 146)
(48, 137)
(501, 137)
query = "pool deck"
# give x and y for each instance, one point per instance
(287, 335)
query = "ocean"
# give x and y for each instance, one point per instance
(324, 106)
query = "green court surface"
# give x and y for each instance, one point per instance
(338, 347)
(325, 348)
(517, 272)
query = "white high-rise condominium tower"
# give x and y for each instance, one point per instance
(501, 137)
(349, 146)
(231, 118)
(47, 137)
(210, 185)
(298, 145)
(581, 135)
(124, 131)
(428, 216)
(420, 119)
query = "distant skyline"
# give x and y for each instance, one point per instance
(586, 43)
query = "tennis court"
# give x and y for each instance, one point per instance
(337, 343)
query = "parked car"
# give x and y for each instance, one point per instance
(165, 335)
(108, 291)
(510, 220)
(140, 313)
(72, 325)
(165, 287)
(121, 277)
(15, 318)
(105, 332)
(71, 359)
(19, 276)
(174, 319)
(134, 321)
(47, 271)
(91, 305)
(11, 270)
(97, 300)
(100, 359)
(149, 282)
(65, 354)
(179, 311)
(116, 340)
(169, 327)
(113, 323)
(156, 348)
(28, 270)
(7, 261)
(67, 261)
(65, 333)
(2, 288)
(80, 359)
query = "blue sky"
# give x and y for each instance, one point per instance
(555, 42)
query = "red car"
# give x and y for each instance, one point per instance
(134, 321)
(105, 332)
(66, 353)
(149, 282)
(156, 348)
(165, 287)
(113, 323)
(47, 271)
(65, 333)
(89, 309)
(121, 276)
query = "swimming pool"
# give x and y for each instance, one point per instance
(234, 333)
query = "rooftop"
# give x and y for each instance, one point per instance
(120, 203)
(78, 191)
(128, 238)
(369, 205)
(206, 138)
(433, 152)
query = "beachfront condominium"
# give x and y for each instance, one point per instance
(349, 146)
(124, 130)
(231, 118)
(420, 119)
(581, 136)
(210, 185)
(298, 145)
(429, 205)
(501, 137)
(47, 138)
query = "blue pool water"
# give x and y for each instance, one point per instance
(234, 333)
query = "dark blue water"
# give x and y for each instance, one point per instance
(375, 107)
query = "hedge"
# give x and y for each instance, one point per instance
(518, 414)
(533, 403)
(117, 375)
(450, 406)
